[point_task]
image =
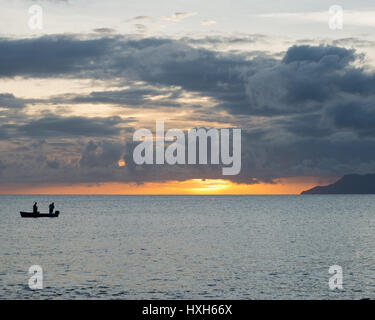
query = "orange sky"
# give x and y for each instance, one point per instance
(196, 186)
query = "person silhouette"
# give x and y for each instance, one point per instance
(51, 207)
(35, 207)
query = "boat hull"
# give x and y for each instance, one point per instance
(39, 215)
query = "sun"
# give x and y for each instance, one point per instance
(210, 186)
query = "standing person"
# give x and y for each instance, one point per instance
(35, 207)
(51, 207)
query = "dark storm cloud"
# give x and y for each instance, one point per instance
(50, 56)
(3, 134)
(306, 125)
(308, 111)
(131, 97)
(317, 54)
(173, 63)
(357, 116)
(159, 62)
(103, 154)
(260, 85)
(54, 126)
(53, 164)
(9, 101)
(307, 79)
(265, 157)
(302, 82)
(240, 83)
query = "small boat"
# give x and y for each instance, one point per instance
(39, 215)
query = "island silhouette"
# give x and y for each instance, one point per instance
(348, 184)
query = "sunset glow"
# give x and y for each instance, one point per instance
(189, 187)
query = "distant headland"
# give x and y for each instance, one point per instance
(348, 184)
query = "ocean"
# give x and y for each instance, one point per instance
(189, 247)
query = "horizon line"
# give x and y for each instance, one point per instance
(117, 194)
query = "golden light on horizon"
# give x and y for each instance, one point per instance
(188, 187)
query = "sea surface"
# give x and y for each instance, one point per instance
(189, 247)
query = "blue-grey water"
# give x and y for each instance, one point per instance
(189, 247)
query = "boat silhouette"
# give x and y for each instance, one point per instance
(39, 215)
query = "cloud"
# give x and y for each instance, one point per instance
(306, 111)
(318, 54)
(145, 97)
(146, 18)
(103, 154)
(104, 30)
(53, 164)
(2, 167)
(9, 101)
(54, 126)
(50, 55)
(356, 115)
(178, 16)
(208, 22)
(305, 79)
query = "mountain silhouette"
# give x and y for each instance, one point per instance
(348, 184)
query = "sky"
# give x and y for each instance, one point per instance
(73, 92)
